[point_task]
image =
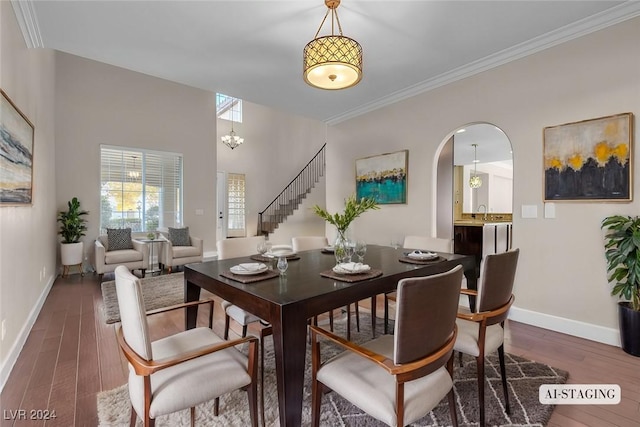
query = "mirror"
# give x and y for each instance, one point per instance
(491, 160)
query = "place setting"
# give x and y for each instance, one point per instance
(268, 252)
(345, 269)
(250, 272)
(420, 257)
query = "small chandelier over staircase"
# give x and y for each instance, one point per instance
(232, 140)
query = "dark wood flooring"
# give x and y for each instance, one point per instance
(71, 354)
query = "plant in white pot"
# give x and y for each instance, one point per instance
(72, 228)
(622, 250)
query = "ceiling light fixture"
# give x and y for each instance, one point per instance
(232, 140)
(335, 61)
(475, 181)
(134, 174)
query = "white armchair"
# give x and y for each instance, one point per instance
(106, 261)
(173, 255)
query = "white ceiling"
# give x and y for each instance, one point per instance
(253, 49)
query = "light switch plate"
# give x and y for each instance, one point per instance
(199, 211)
(529, 211)
(549, 210)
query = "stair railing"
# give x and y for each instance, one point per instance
(290, 198)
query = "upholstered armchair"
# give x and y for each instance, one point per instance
(180, 248)
(118, 248)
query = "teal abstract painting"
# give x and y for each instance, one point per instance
(383, 177)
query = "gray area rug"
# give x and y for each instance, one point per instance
(524, 376)
(158, 292)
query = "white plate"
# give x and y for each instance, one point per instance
(280, 252)
(423, 256)
(328, 249)
(351, 268)
(249, 269)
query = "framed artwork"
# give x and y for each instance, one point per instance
(16, 159)
(383, 177)
(589, 160)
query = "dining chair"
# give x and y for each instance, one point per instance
(306, 243)
(166, 375)
(397, 378)
(234, 248)
(424, 243)
(482, 332)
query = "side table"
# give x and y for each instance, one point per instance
(154, 266)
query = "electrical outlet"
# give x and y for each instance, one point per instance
(4, 328)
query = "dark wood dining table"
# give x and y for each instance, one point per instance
(288, 301)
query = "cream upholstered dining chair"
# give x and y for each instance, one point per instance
(424, 243)
(234, 248)
(407, 369)
(482, 332)
(118, 248)
(167, 375)
(180, 248)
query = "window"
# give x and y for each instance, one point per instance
(235, 205)
(229, 108)
(140, 189)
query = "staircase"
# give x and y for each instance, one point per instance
(290, 198)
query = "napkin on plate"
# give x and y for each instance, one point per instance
(351, 267)
(418, 254)
(251, 266)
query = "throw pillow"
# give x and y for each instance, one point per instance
(119, 238)
(179, 236)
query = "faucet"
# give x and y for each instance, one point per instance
(484, 217)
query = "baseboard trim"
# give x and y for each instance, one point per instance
(18, 344)
(566, 326)
(210, 256)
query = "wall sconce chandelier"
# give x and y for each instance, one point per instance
(232, 140)
(475, 181)
(335, 61)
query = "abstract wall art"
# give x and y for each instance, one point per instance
(16, 155)
(590, 160)
(383, 177)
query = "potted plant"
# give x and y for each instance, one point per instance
(622, 251)
(353, 208)
(72, 228)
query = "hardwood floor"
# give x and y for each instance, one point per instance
(71, 354)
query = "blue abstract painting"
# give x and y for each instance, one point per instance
(16, 155)
(383, 177)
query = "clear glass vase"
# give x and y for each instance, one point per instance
(343, 246)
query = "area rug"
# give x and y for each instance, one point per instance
(524, 377)
(158, 292)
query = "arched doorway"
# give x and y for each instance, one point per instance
(474, 213)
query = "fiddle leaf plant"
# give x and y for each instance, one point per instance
(622, 251)
(353, 208)
(72, 223)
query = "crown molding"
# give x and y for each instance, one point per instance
(615, 15)
(28, 22)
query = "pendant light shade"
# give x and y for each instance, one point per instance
(335, 61)
(475, 181)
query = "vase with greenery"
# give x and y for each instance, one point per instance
(353, 208)
(72, 228)
(622, 252)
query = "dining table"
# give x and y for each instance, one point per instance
(287, 301)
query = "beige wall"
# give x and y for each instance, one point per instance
(102, 104)
(277, 147)
(561, 280)
(28, 239)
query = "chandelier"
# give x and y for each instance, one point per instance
(335, 61)
(232, 140)
(475, 181)
(134, 174)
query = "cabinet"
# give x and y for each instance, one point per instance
(482, 239)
